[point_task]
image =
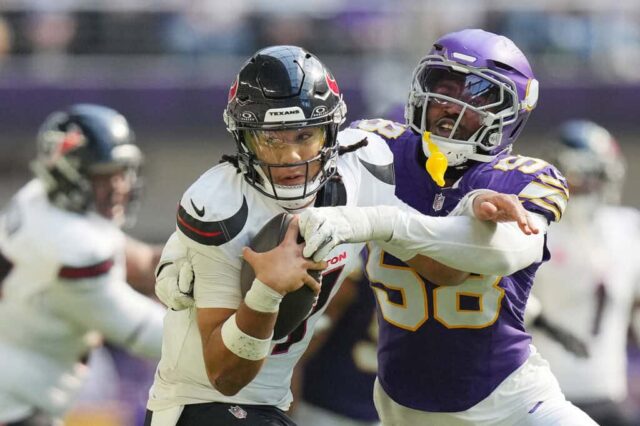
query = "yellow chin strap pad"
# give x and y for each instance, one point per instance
(437, 162)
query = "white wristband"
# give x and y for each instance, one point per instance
(241, 344)
(465, 205)
(262, 298)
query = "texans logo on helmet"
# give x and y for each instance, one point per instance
(233, 90)
(72, 140)
(331, 82)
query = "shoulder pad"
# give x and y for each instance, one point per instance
(87, 242)
(376, 157)
(539, 185)
(213, 210)
(387, 129)
(58, 236)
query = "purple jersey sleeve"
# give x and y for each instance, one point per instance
(539, 185)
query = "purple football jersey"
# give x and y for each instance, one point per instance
(446, 348)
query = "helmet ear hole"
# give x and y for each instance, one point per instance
(502, 66)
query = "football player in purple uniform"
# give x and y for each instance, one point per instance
(457, 354)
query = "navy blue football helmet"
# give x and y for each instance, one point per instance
(81, 141)
(590, 158)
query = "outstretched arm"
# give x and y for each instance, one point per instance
(122, 315)
(460, 242)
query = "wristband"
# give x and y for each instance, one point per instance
(241, 344)
(262, 298)
(465, 205)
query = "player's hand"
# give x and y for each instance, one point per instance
(326, 227)
(174, 276)
(284, 268)
(497, 207)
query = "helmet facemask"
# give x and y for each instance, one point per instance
(289, 165)
(470, 108)
(116, 186)
(280, 93)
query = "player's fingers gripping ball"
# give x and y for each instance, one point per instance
(324, 228)
(295, 306)
(319, 239)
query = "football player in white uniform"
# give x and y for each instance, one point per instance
(62, 264)
(219, 364)
(593, 279)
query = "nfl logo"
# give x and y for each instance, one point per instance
(438, 202)
(238, 412)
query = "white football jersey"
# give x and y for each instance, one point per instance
(589, 287)
(219, 215)
(63, 286)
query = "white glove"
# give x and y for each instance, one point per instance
(174, 276)
(324, 228)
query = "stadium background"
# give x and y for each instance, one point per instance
(167, 65)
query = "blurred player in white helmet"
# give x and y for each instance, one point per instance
(593, 278)
(64, 261)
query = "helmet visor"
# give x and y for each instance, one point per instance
(445, 86)
(291, 146)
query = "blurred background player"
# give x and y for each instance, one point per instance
(592, 281)
(64, 263)
(338, 369)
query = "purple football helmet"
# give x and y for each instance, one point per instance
(472, 73)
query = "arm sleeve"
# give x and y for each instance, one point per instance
(217, 277)
(465, 243)
(124, 316)
(217, 281)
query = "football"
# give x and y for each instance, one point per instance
(295, 306)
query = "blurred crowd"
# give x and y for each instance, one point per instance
(591, 40)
